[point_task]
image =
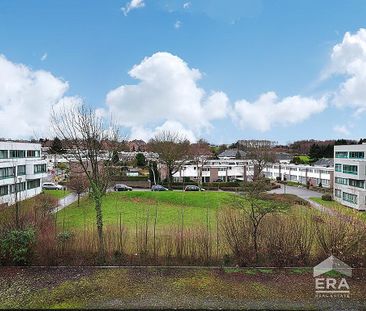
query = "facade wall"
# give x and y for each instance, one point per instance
(228, 169)
(22, 171)
(350, 175)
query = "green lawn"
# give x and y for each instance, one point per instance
(58, 194)
(344, 210)
(136, 207)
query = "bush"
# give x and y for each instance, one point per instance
(327, 197)
(16, 246)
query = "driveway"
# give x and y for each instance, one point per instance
(305, 194)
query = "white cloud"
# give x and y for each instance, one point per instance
(44, 57)
(348, 58)
(167, 95)
(186, 5)
(26, 99)
(132, 5)
(177, 24)
(268, 111)
(342, 130)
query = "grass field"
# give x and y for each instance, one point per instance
(341, 209)
(135, 207)
(58, 194)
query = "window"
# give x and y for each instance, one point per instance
(338, 167)
(21, 170)
(352, 198)
(357, 183)
(342, 181)
(3, 154)
(338, 193)
(35, 183)
(20, 187)
(350, 169)
(7, 172)
(356, 155)
(4, 190)
(33, 153)
(341, 154)
(39, 168)
(17, 153)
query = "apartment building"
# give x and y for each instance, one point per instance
(350, 175)
(21, 171)
(232, 169)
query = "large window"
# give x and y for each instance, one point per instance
(39, 168)
(7, 172)
(341, 154)
(357, 183)
(338, 193)
(19, 186)
(4, 190)
(21, 170)
(342, 181)
(17, 153)
(338, 167)
(352, 198)
(35, 183)
(356, 155)
(350, 169)
(33, 154)
(3, 154)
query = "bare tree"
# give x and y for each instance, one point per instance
(260, 154)
(79, 184)
(91, 144)
(199, 153)
(173, 151)
(257, 208)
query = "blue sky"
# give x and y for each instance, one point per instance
(242, 49)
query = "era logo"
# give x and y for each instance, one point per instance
(331, 284)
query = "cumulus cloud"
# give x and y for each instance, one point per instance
(167, 95)
(177, 24)
(132, 5)
(348, 58)
(26, 99)
(268, 111)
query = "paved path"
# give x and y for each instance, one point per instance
(305, 194)
(66, 201)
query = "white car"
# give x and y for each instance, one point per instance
(51, 186)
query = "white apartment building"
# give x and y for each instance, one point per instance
(231, 169)
(21, 171)
(350, 175)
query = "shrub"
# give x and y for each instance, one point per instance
(327, 197)
(16, 246)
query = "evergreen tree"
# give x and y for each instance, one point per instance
(140, 160)
(56, 147)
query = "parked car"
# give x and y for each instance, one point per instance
(218, 180)
(193, 188)
(51, 186)
(158, 188)
(122, 187)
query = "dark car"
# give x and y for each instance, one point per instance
(218, 180)
(158, 188)
(122, 187)
(193, 188)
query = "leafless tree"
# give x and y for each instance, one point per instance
(78, 183)
(260, 154)
(91, 144)
(199, 153)
(173, 151)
